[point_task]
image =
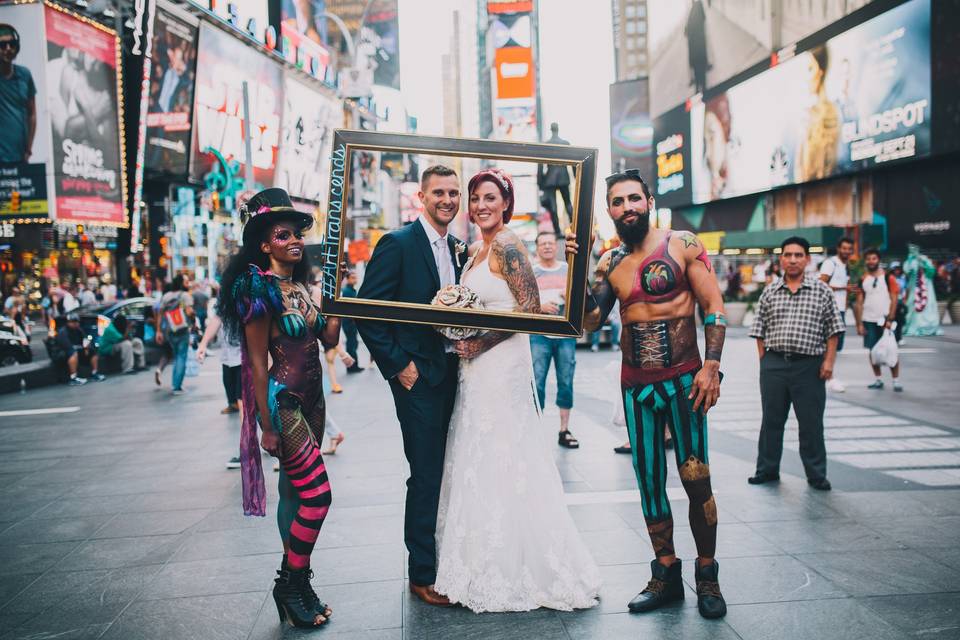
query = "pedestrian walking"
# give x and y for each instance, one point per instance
(174, 323)
(230, 367)
(876, 311)
(266, 302)
(797, 327)
(834, 272)
(330, 355)
(551, 275)
(349, 325)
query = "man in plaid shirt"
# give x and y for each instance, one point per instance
(797, 326)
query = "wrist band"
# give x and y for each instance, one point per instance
(715, 318)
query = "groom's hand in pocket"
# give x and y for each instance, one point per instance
(409, 376)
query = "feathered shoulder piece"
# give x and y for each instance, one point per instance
(257, 294)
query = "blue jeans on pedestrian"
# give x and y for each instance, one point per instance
(563, 351)
(180, 343)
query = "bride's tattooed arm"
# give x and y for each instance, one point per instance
(516, 269)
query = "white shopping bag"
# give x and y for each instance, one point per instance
(885, 352)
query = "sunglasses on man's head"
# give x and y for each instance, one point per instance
(632, 174)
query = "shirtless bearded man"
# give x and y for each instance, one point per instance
(658, 275)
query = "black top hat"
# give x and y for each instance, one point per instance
(270, 206)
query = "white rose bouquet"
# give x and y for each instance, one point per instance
(457, 296)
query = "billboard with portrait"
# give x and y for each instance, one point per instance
(170, 103)
(696, 44)
(24, 158)
(309, 118)
(81, 73)
(224, 63)
(859, 100)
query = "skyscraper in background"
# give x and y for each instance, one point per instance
(630, 38)
(631, 129)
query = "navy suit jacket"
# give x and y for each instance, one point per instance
(403, 269)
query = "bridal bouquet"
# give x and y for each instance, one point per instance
(457, 296)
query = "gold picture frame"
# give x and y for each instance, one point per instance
(348, 143)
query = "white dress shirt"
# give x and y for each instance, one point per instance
(444, 262)
(441, 254)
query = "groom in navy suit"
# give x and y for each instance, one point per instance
(410, 265)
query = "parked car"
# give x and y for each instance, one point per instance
(94, 319)
(14, 344)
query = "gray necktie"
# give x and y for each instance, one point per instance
(444, 265)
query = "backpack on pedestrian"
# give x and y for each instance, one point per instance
(174, 315)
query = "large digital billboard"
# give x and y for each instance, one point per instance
(694, 45)
(224, 63)
(81, 71)
(170, 98)
(309, 118)
(858, 100)
(24, 157)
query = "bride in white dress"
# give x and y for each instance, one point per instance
(505, 539)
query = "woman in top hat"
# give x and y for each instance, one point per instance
(265, 300)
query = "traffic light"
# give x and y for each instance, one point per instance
(14, 201)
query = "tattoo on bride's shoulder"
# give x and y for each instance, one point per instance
(518, 272)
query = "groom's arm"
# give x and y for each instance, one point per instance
(380, 282)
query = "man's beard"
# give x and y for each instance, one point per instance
(633, 233)
(873, 268)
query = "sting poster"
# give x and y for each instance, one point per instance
(82, 85)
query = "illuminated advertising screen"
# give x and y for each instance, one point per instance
(631, 131)
(380, 37)
(859, 100)
(224, 63)
(309, 118)
(171, 94)
(24, 157)
(82, 87)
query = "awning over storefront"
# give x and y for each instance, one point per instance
(870, 235)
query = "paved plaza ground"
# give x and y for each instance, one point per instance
(119, 521)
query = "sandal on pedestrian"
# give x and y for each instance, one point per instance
(623, 449)
(334, 443)
(567, 440)
(297, 603)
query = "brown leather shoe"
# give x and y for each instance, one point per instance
(428, 595)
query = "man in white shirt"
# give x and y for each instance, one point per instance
(876, 310)
(833, 271)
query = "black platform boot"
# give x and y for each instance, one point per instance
(292, 595)
(666, 585)
(319, 606)
(710, 601)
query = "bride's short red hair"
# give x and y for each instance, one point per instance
(502, 181)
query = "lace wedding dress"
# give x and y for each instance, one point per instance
(505, 540)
